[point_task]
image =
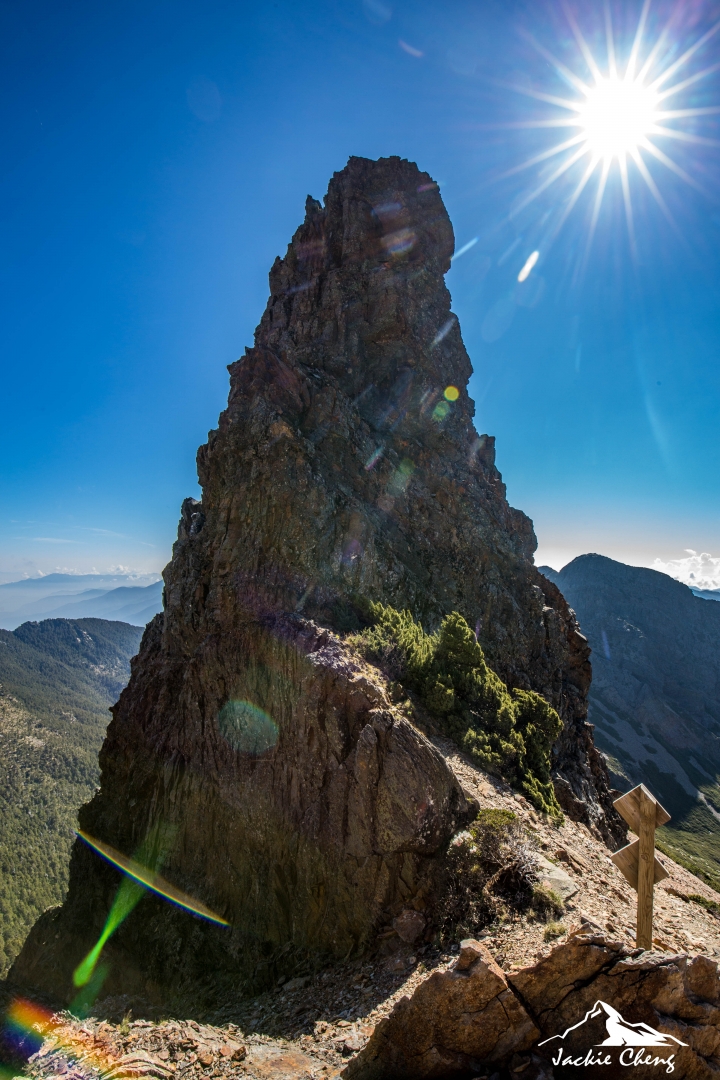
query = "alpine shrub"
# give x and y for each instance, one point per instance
(508, 732)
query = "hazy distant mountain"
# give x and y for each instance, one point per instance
(655, 695)
(57, 679)
(131, 604)
(130, 598)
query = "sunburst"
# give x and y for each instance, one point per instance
(616, 119)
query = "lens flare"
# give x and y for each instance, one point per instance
(527, 268)
(618, 118)
(401, 477)
(128, 896)
(30, 1025)
(399, 242)
(151, 880)
(443, 331)
(27, 1023)
(451, 393)
(465, 248)
(374, 458)
(247, 728)
(138, 880)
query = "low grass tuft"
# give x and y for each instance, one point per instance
(554, 930)
(490, 868)
(546, 901)
(710, 905)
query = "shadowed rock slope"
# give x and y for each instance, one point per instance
(654, 697)
(264, 757)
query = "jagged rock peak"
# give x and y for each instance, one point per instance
(359, 368)
(345, 469)
(360, 293)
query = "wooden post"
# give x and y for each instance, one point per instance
(646, 872)
(637, 862)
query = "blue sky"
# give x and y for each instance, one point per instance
(159, 159)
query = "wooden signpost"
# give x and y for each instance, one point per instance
(637, 861)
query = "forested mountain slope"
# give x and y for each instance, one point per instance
(57, 679)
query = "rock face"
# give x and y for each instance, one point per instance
(290, 797)
(455, 1020)
(654, 700)
(471, 1018)
(674, 994)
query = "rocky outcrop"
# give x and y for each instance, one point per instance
(305, 845)
(591, 998)
(584, 983)
(293, 800)
(455, 1021)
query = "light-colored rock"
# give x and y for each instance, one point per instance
(676, 995)
(573, 857)
(455, 1018)
(555, 878)
(472, 1018)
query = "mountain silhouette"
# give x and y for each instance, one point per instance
(620, 1032)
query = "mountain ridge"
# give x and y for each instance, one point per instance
(654, 697)
(68, 596)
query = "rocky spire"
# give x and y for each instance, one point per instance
(345, 469)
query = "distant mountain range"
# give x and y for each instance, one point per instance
(128, 598)
(57, 679)
(655, 694)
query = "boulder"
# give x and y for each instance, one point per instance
(555, 878)
(593, 1004)
(455, 1020)
(576, 993)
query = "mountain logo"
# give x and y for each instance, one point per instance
(619, 1033)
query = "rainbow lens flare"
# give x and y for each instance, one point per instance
(132, 889)
(401, 477)
(374, 458)
(150, 880)
(29, 1025)
(247, 728)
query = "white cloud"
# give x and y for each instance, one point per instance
(699, 571)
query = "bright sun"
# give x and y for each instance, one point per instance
(617, 117)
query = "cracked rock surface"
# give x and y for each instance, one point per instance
(456, 1019)
(465, 1017)
(471, 1019)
